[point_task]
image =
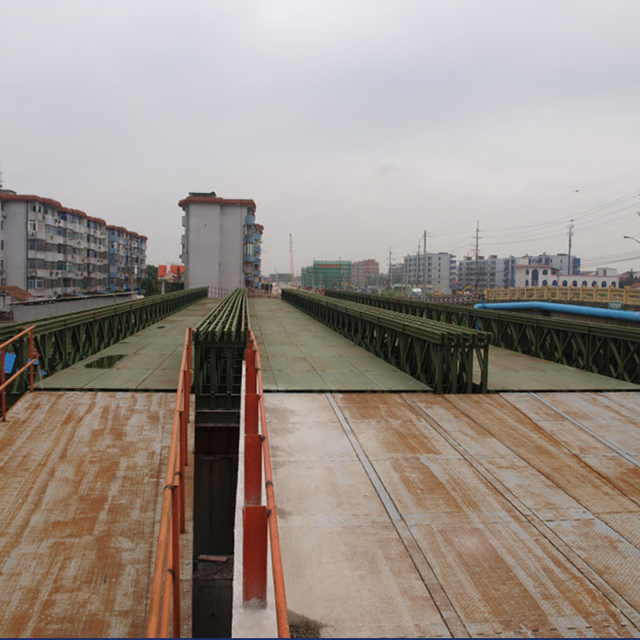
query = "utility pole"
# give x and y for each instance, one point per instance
(476, 252)
(291, 258)
(424, 275)
(571, 227)
(390, 283)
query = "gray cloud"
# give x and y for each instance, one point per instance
(353, 125)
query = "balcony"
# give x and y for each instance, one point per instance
(248, 257)
(249, 219)
(248, 277)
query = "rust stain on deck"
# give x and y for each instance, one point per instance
(82, 477)
(528, 517)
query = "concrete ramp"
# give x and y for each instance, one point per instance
(82, 476)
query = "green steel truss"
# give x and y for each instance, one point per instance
(612, 351)
(64, 339)
(439, 355)
(219, 344)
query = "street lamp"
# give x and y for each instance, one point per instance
(631, 238)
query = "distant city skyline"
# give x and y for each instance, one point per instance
(354, 126)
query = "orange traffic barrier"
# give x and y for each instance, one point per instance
(32, 360)
(165, 587)
(255, 543)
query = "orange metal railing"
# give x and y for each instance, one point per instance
(256, 517)
(165, 587)
(32, 360)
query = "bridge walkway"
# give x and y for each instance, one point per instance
(484, 515)
(301, 354)
(82, 476)
(146, 361)
(82, 472)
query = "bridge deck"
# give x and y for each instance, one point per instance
(301, 354)
(150, 358)
(82, 477)
(513, 514)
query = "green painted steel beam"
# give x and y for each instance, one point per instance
(219, 344)
(608, 350)
(439, 355)
(65, 339)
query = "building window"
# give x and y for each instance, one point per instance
(594, 283)
(32, 283)
(604, 285)
(544, 282)
(526, 283)
(574, 283)
(613, 284)
(545, 272)
(585, 283)
(564, 283)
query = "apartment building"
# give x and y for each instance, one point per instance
(485, 272)
(440, 271)
(364, 273)
(222, 243)
(48, 249)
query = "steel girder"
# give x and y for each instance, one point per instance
(64, 339)
(219, 344)
(608, 350)
(441, 356)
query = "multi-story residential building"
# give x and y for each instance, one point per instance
(48, 249)
(127, 258)
(559, 261)
(396, 277)
(485, 273)
(327, 274)
(534, 275)
(221, 245)
(440, 271)
(364, 273)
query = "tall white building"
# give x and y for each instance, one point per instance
(47, 249)
(440, 271)
(222, 243)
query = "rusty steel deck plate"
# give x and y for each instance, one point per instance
(82, 477)
(417, 514)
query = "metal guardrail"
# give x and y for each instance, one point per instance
(165, 586)
(612, 351)
(64, 339)
(566, 294)
(439, 355)
(219, 343)
(29, 365)
(256, 516)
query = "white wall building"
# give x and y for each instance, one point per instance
(47, 249)
(440, 271)
(221, 245)
(532, 275)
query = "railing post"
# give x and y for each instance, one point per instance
(254, 555)
(252, 469)
(182, 454)
(31, 356)
(175, 553)
(251, 375)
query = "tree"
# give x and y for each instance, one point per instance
(150, 285)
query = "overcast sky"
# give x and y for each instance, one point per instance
(353, 125)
